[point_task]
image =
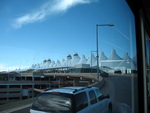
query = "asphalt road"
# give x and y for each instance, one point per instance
(24, 110)
(122, 90)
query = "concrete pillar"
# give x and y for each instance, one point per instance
(21, 92)
(49, 85)
(32, 90)
(33, 78)
(89, 81)
(7, 92)
(49, 82)
(60, 81)
(76, 81)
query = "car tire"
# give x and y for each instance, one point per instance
(110, 108)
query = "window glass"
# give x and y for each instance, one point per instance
(81, 101)
(99, 94)
(53, 103)
(40, 38)
(92, 96)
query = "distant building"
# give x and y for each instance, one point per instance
(114, 62)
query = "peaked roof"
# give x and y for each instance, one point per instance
(67, 61)
(47, 64)
(91, 60)
(52, 63)
(37, 66)
(69, 57)
(102, 56)
(126, 57)
(127, 62)
(83, 60)
(113, 61)
(75, 59)
(57, 64)
(114, 56)
(63, 62)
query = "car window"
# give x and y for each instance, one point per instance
(92, 96)
(99, 94)
(53, 103)
(81, 101)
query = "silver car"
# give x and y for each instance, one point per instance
(72, 100)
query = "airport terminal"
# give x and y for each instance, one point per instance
(74, 71)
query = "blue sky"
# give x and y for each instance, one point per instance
(35, 30)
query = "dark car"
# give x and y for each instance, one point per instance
(118, 71)
(104, 74)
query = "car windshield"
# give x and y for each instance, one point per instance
(53, 103)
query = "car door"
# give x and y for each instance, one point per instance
(102, 103)
(81, 103)
(93, 102)
(86, 102)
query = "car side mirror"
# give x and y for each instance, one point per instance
(107, 96)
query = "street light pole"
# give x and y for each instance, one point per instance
(97, 51)
(97, 45)
(91, 60)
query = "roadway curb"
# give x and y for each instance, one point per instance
(98, 84)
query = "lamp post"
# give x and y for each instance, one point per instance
(91, 60)
(97, 45)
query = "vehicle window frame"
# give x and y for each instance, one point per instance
(99, 97)
(92, 101)
(81, 98)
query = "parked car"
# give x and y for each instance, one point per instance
(118, 71)
(104, 74)
(72, 100)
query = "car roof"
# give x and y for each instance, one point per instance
(70, 90)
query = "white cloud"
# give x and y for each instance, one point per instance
(64, 5)
(4, 67)
(50, 7)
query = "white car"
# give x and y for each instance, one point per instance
(72, 100)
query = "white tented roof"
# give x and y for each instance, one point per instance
(57, 64)
(83, 60)
(63, 62)
(111, 63)
(114, 61)
(68, 60)
(102, 56)
(37, 66)
(91, 60)
(127, 62)
(47, 64)
(114, 56)
(42, 65)
(52, 63)
(75, 59)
